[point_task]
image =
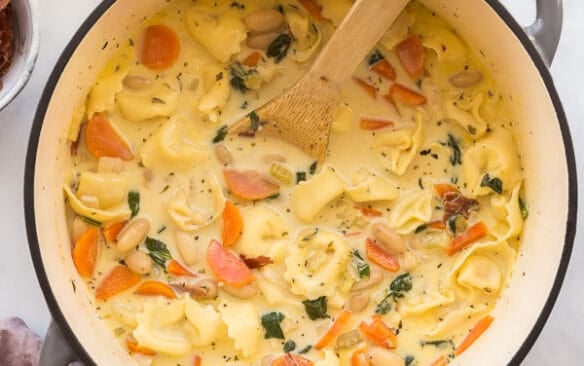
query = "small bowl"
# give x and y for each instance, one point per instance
(26, 35)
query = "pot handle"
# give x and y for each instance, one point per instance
(545, 31)
(56, 351)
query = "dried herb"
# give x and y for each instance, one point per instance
(456, 154)
(158, 251)
(316, 309)
(271, 323)
(279, 47)
(134, 202)
(363, 268)
(221, 133)
(492, 182)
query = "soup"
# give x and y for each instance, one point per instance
(200, 246)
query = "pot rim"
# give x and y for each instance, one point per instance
(502, 12)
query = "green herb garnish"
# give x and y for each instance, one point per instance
(362, 267)
(494, 183)
(409, 360)
(305, 349)
(316, 309)
(158, 252)
(278, 49)
(420, 228)
(313, 167)
(271, 323)
(456, 155)
(255, 121)
(437, 343)
(300, 177)
(399, 285)
(289, 346)
(221, 133)
(374, 58)
(134, 202)
(523, 209)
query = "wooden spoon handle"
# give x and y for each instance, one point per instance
(362, 28)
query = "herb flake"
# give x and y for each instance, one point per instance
(271, 323)
(221, 133)
(134, 202)
(363, 268)
(279, 47)
(316, 309)
(456, 155)
(158, 251)
(492, 182)
(255, 121)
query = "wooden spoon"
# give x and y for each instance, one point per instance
(302, 115)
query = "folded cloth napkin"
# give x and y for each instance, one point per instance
(19, 346)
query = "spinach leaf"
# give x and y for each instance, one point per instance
(278, 49)
(374, 58)
(221, 133)
(158, 252)
(437, 343)
(456, 156)
(384, 305)
(313, 167)
(420, 228)
(134, 202)
(255, 121)
(316, 309)
(494, 183)
(300, 177)
(402, 283)
(305, 349)
(409, 360)
(289, 346)
(362, 267)
(238, 75)
(523, 208)
(271, 323)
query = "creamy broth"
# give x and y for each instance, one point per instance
(404, 238)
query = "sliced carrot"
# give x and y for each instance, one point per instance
(481, 326)
(372, 124)
(472, 234)
(337, 325)
(437, 224)
(118, 280)
(232, 224)
(228, 267)
(379, 333)
(155, 288)
(291, 359)
(197, 360)
(369, 89)
(252, 59)
(111, 231)
(85, 252)
(133, 347)
(384, 69)
(249, 185)
(440, 361)
(175, 268)
(400, 93)
(103, 140)
(378, 255)
(313, 8)
(444, 188)
(368, 211)
(160, 47)
(411, 54)
(359, 358)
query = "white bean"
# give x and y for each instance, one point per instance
(136, 82)
(466, 78)
(389, 238)
(264, 21)
(245, 292)
(261, 41)
(358, 302)
(187, 247)
(132, 234)
(199, 287)
(139, 262)
(382, 357)
(410, 262)
(223, 154)
(374, 279)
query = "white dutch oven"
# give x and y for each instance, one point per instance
(517, 66)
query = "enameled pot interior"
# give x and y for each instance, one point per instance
(542, 132)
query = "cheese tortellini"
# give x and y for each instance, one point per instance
(217, 91)
(243, 325)
(310, 197)
(110, 189)
(264, 228)
(369, 187)
(396, 149)
(412, 210)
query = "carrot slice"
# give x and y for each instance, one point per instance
(384, 69)
(175, 268)
(111, 231)
(411, 54)
(440, 361)
(369, 89)
(228, 267)
(85, 252)
(471, 235)
(313, 9)
(437, 224)
(379, 333)
(378, 255)
(291, 359)
(232, 224)
(117, 281)
(444, 188)
(405, 95)
(160, 48)
(371, 124)
(359, 358)
(103, 140)
(481, 326)
(252, 59)
(338, 324)
(249, 185)
(197, 361)
(368, 211)
(133, 347)
(155, 288)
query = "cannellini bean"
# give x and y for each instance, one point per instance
(391, 240)
(382, 357)
(223, 154)
(270, 158)
(148, 174)
(78, 227)
(466, 78)
(349, 339)
(410, 262)
(106, 164)
(261, 41)
(374, 279)
(358, 301)
(245, 292)
(264, 21)
(199, 287)
(136, 82)
(132, 234)
(139, 262)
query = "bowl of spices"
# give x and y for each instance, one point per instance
(19, 46)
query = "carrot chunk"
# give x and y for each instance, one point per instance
(111, 231)
(133, 347)
(378, 255)
(197, 360)
(444, 188)
(249, 185)
(384, 69)
(371, 124)
(359, 358)
(338, 324)
(368, 88)
(160, 48)
(371, 212)
(117, 281)
(481, 326)
(400, 93)
(228, 267)
(313, 9)
(472, 234)
(291, 359)
(411, 54)
(232, 224)
(378, 332)
(155, 288)
(253, 59)
(85, 252)
(175, 268)
(103, 140)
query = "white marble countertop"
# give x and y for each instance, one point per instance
(561, 340)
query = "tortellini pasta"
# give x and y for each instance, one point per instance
(92, 213)
(110, 189)
(264, 227)
(508, 220)
(335, 10)
(243, 325)
(204, 323)
(343, 119)
(369, 187)
(413, 209)
(307, 35)
(395, 149)
(468, 114)
(217, 90)
(310, 197)
(103, 95)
